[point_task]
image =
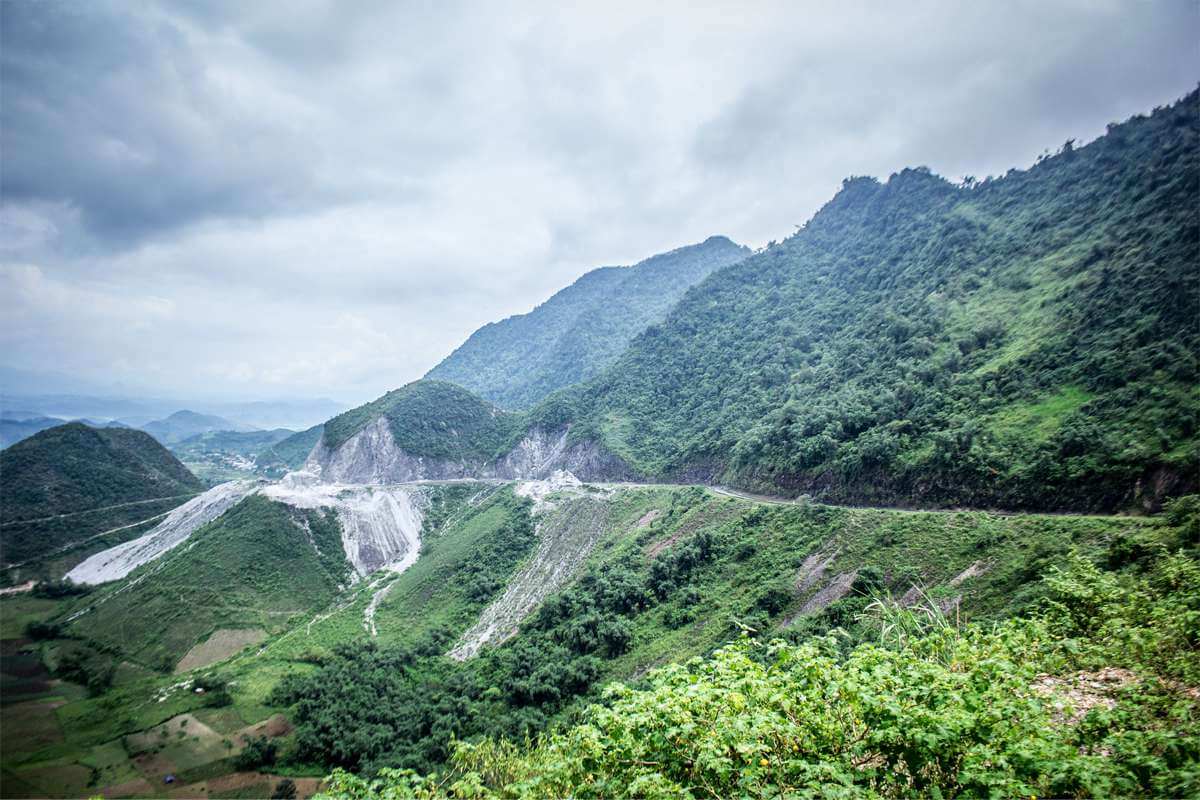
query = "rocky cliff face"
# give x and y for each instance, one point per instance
(372, 456)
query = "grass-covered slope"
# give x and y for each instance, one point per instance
(262, 566)
(1094, 696)
(676, 573)
(434, 419)
(70, 482)
(1025, 342)
(1092, 693)
(580, 330)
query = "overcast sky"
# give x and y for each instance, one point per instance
(254, 200)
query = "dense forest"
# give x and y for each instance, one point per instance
(580, 330)
(1027, 341)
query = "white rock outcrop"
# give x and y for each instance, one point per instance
(117, 562)
(381, 525)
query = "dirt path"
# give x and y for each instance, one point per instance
(68, 547)
(98, 508)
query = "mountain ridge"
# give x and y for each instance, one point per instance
(581, 329)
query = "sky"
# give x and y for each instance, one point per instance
(313, 198)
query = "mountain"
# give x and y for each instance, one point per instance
(1024, 342)
(256, 569)
(289, 453)
(581, 329)
(1021, 342)
(71, 482)
(14, 429)
(184, 424)
(433, 430)
(15, 426)
(1027, 342)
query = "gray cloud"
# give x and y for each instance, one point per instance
(321, 197)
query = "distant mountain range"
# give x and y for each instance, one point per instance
(185, 424)
(293, 413)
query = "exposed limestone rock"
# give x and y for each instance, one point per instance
(567, 532)
(117, 562)
(381, 526)
(976, 569)
(837, 588)
(372, 456)
(813, 569)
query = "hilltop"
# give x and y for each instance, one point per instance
(101, 477)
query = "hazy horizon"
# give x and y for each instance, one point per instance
(223, 202)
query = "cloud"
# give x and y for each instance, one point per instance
(326, 198)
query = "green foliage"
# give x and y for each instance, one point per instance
(87, 666)
(398, 703)
(258, 752)
(81, 471)
(581, 329)
(261, 564)
(1027, 342)
(284, 790)
(366, 704)
(38, 630)
(938, 712)
(290, 453)
(433, 419)
(52, 590)
(222, 455)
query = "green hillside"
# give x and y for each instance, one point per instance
(670, 573)
(1091, 696)
(434, 419)
(289, 453)
(72, 482)
(1028, 341)
(581, 329)
(261, 566)
(675, 573)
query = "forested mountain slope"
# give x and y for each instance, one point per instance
(581, 329)
(1024, 342)
(83, 472)
(668, 573)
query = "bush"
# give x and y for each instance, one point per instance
(54, 590)
(39, 631)
(258, 752)
(284, 790)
